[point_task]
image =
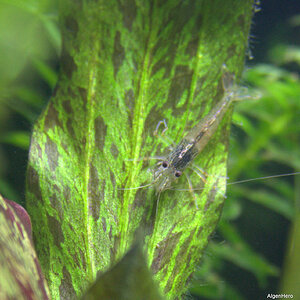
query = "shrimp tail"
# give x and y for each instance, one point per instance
(235, 92)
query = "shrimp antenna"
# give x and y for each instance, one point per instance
(138, 187)
(261, 178)
(245, 180)
(157, 202)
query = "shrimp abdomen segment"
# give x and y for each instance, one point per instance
(201, 134)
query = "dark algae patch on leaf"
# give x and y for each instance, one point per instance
(126, 68)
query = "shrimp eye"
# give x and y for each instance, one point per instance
(165, 164)
(178, 173)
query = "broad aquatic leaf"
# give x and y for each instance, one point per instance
(20, 273)
(129, 279)
(126, 65)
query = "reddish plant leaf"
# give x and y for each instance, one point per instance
(20, 273)
(22, 214)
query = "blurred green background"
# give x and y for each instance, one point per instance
(249, 255)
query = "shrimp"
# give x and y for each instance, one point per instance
(173, 166)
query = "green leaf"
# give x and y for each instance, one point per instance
(21, 40)
(19, 139)
(208, 283)
(219, 289)
(289, 279)
(241, 254)
(46, 72)
(126, 66)
(270, 200)
(28, 96)
(129, 279)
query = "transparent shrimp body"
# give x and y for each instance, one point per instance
(194, 142)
